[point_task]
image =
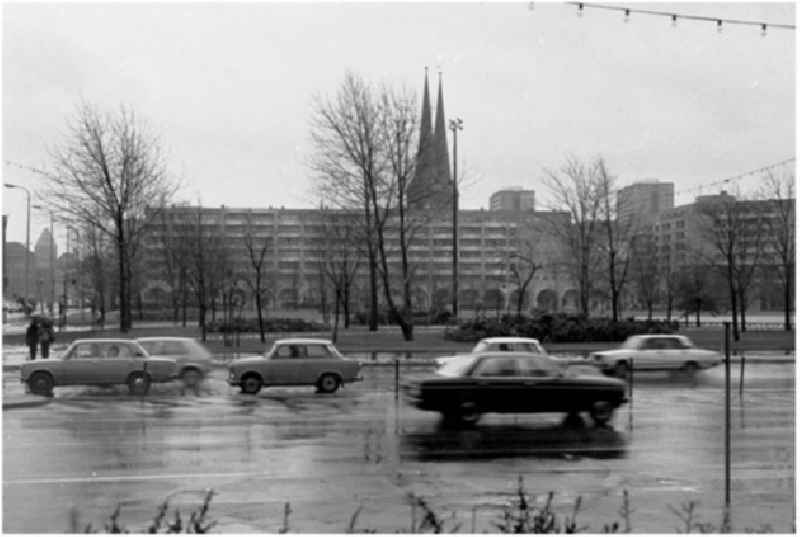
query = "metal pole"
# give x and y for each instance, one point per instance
(52, 268)
(741, 374)
(396, 379)
(455, 125)
(727, 418)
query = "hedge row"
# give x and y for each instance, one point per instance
(558, 328)
(418, 317)
(270, 325)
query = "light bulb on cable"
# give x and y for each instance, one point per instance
(763, 30)
(719, 26)
(580, 9)
(627, 15)
(674, 21)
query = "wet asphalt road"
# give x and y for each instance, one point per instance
(91, 449)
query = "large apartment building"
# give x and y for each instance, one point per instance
(298, 241)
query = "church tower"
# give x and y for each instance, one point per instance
(431, 187)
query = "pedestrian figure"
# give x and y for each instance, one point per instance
(32, 337)
(46, 337)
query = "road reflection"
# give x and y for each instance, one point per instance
(487, 441)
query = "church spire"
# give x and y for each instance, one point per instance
(425, 133)
(442, 157)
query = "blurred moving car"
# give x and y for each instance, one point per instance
(295, 362)
(467, 386)
(99, 362)
(193, 358)
(655, 352)
(511, 344)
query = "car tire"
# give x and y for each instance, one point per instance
(621, 370)
(601, 412)
(328, 383)
(251, 384)
(41, 383)
(191, 377)
(138, 383)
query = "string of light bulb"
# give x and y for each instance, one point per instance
(581, 6)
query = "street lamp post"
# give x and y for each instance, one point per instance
(27, 239)
(455, 125)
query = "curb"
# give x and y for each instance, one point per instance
(25, 403)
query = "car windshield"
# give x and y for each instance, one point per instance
(632, 343)
(510, 346)
(456, 366)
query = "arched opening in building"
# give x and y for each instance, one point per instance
(441, 299)
(468, 297)
(493, 299)
(547, 300)
(288, 298)
(569, 301)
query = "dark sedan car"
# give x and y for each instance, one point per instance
(467, 386)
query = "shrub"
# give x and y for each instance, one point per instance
(557, 328)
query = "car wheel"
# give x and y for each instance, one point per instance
(41, 383)
(601, 412)
(468, 412)
(328, 383)
(251, 384)
(138, 383)
(191, 377)
(622, 370)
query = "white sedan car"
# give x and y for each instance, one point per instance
(508, 344)
(655, 352)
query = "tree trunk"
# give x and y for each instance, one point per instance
(698, 305)
(123, 276)
(258, 307)
(742, 310)
(734, 310)
(787, 299)
(669, 305)
(347, 305)
(183, 296)
(373, 290)
(337, 299)
(650, 311)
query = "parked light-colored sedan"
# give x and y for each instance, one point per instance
(655, 352)
(99, 362)
(193, 359)
(295, 362)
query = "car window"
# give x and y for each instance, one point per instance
(317, 351)
(538, 367)
(497, 367)
(632, 343)
(173, 348)
(652, 344)
(528, 347)
(291, 352)
(112, 351)
(675, 343)
(481, 347)
(456, 366)
(152, 347)
(84, 351)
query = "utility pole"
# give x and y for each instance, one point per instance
(455, 125)
(27, 240)
(52, 248)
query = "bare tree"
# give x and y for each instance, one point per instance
(619, 238)
(346, 133)
(257, 249)
(778, 189)
(108, 173)
(692, 290)
(735, 231)
(340, 261)
(577, 189)
(645, 271)
(523, 267)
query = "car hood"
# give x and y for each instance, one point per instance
(249, 360)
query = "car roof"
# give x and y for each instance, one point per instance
(644, 336)
(507, 354)
(164, 338)
(303, 341)
(510, 339)
(105, 340)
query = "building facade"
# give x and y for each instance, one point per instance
(512, 199)
(640, 204)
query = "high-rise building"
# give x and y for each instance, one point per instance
(512, 199)
(642, 202)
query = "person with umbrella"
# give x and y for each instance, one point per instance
(32, 337)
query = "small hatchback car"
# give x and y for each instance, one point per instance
(295, 362)
(99, 362)
(193, 359)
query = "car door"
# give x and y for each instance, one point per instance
(80, 363)
(318, 360)
(649, 355)
(674, 353)
(544, 387)
(119, 362)
(497, 383)
(284, 365)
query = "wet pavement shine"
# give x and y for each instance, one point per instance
(72, 461)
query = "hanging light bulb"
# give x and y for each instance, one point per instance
(674, 21)
(719, 26)
(580, 9)
(627, 15)
(763, 30)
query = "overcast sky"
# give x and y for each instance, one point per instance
(228, 88)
